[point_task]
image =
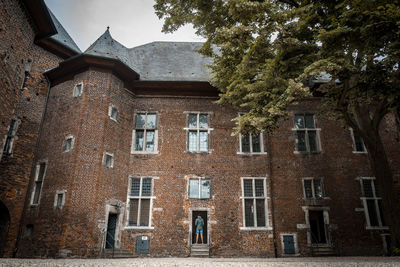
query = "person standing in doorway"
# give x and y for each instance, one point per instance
(199, 223)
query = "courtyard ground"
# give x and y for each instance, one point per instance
(281, 262)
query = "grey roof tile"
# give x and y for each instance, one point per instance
(62, 36)
(156, 61)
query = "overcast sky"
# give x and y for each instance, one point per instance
(132, 22)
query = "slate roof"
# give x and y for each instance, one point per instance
(62, 36)
(156, 61)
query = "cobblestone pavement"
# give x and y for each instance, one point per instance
(301, 262)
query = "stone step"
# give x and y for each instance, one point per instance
(199, 250)
(323, 251)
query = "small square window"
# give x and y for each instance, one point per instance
(78, 90)
(113, 113)
(68, 144)
(108, 160)
(59, 199)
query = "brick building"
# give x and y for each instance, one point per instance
(121, 149)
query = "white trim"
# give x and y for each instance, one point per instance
(105, 154)
(133, 146)
(73, 92)
(72, 143)
(325, 213)
(354, 143)
(313, 188)
(375, 198)
(200, 179)
(37, 169)
(110, 109)
(296, 245)
(306, 130)
(58, 192)
(198, 130)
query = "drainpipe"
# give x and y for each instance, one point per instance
(20, 231)
(271, 193)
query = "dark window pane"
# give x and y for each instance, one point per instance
(359, 144)
(42, 168)
(38, 187)
(259, 187)
(260, 209)
(301, 141)
(367, 188)
(381, 213)
(205, 188)
(299, 121)
(140, 121)
(248, 187)
(108, 161)
(249, 212)
(59, 200)
(192, 141)
(11, 129)
(312, 140)
(310, 121)
(67, 144)
(150, 141)
(192, 121)
(318, 188)
(203, 120)
(144, 212)
(246, 143)
(139, 140)
(7, 145)
(114, 113)
(135, 187)
(203, 141)
(308, 189)
(146, 187)
(194, 188)
(256, 143)
(151, 121)
(133, 212)
(377, 194)
(373, 219)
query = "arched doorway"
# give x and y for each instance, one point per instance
(4, 225)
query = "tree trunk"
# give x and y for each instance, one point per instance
(384, 179)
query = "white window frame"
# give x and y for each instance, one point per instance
(200, 179)
(364, 202)
(306, 130)
(13, 136)
(129, 197)
(296, 245)
(355, 151)
(76, 85)
(110, 112)
(262, 152)
(34, 188)
(69, 137)
(105, 160)
(266, 199)
(198, 130)
(313, 187)
(59, 192)
(133, 151)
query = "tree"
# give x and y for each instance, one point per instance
(266, 52)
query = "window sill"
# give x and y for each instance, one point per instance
(317, 198)
(251, 153)
(306, 152)
(376, 227)
(360, 152)
(34, 205)
(198, 152)
(139, 228)
(144, 153)
(113, 119)
(255, 228)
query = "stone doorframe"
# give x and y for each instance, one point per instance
(209, 222)
(328, 227)
(113, 206)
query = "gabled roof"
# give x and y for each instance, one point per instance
(156, 61)
(62, 36)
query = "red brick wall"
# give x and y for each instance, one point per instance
(26, 104)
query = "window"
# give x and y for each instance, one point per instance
(358, 143)
(307, 136)
(313, 188)
(254, 202)
(8, 144)
(59, 199)
(39, 177)
(289, 243)
(199, 188)
(108, 160)
(372, 203)
(198, 131)
(145, 134)
(78, 90)
(140, 201)
(251, 143)
(113, 113)
(28, 230)
(68, 144)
